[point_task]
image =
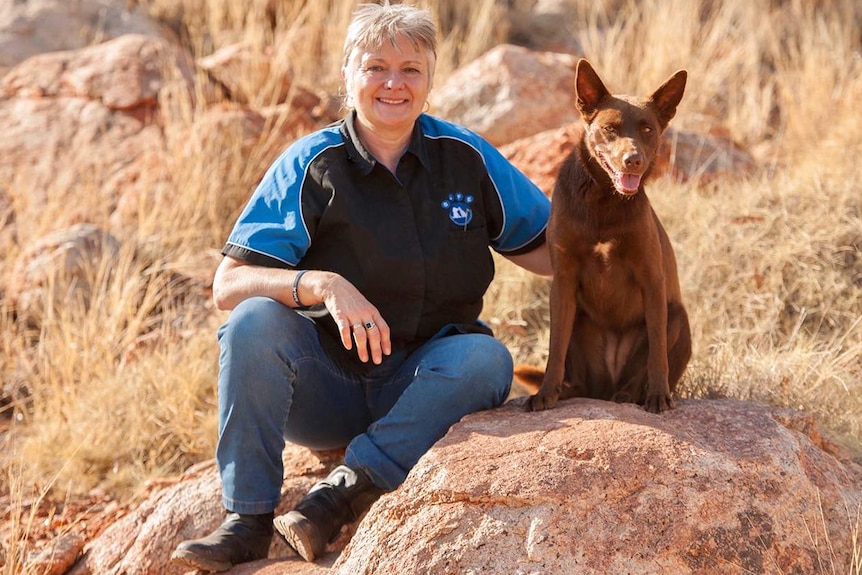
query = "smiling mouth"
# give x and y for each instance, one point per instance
(391, 101)
(626, 183)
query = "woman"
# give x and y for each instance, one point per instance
(355, 276)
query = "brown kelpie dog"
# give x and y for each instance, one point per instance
(619, 330)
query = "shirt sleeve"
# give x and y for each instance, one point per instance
(272, 229)
(525, 207)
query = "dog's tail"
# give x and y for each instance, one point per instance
(528, 379)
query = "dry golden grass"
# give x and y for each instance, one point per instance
(771, 267)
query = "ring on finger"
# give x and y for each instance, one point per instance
(357, 326)
(369, 325)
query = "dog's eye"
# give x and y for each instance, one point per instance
(647, 129)
(609, 129)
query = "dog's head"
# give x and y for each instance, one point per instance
(623, 132)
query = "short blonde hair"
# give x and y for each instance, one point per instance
(374, 24)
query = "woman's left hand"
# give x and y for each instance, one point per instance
(358, 320)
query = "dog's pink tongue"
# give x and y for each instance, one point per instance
(630, 182)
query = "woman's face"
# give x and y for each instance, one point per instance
(389, 85)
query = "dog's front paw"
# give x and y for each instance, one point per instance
(658, 403)
(543, 400)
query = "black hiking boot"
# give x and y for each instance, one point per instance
(241, 538)
(319, 516)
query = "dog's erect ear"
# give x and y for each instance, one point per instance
(668, 96)
(589, 89)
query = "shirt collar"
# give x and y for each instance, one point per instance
(358, 153)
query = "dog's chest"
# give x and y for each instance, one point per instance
(605, 285)
(603, 270)
(602, 253)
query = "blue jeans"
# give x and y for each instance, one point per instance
(276, 384)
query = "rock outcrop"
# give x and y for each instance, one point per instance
(141, 542)
(60, 268)
(249, 75)
(80, 121)
(100, 121)
(38, 26)
(509, 93)
(713, 487)
(591, 487)
(685, 156)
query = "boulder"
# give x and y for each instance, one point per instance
(685, 156)
(59, 268)
(58, 558)
(545, 25)
(703, 157)
(712, 487)
(510, 93)
(247, 127)
(101, 122)
(253, 76)
(62, 147)
(85, 122)
(141, 543)
(79, 264)
(541, 155)
(126, 73)
(38, 26)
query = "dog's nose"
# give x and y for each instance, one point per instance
(633, 160)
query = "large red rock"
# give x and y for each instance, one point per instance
(85, 122)
(60, 267)
(126, 73)
(541, 155)
(591, 487)
(254, 76)
(510, 93)
(141, 543)
(685, 156)
(38, 26)
(102, 123)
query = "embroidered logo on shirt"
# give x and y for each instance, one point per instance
(459, 208)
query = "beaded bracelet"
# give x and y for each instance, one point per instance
(295, 289)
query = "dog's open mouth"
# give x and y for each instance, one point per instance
(625, 183)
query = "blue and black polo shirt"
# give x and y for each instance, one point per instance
(414, 243)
